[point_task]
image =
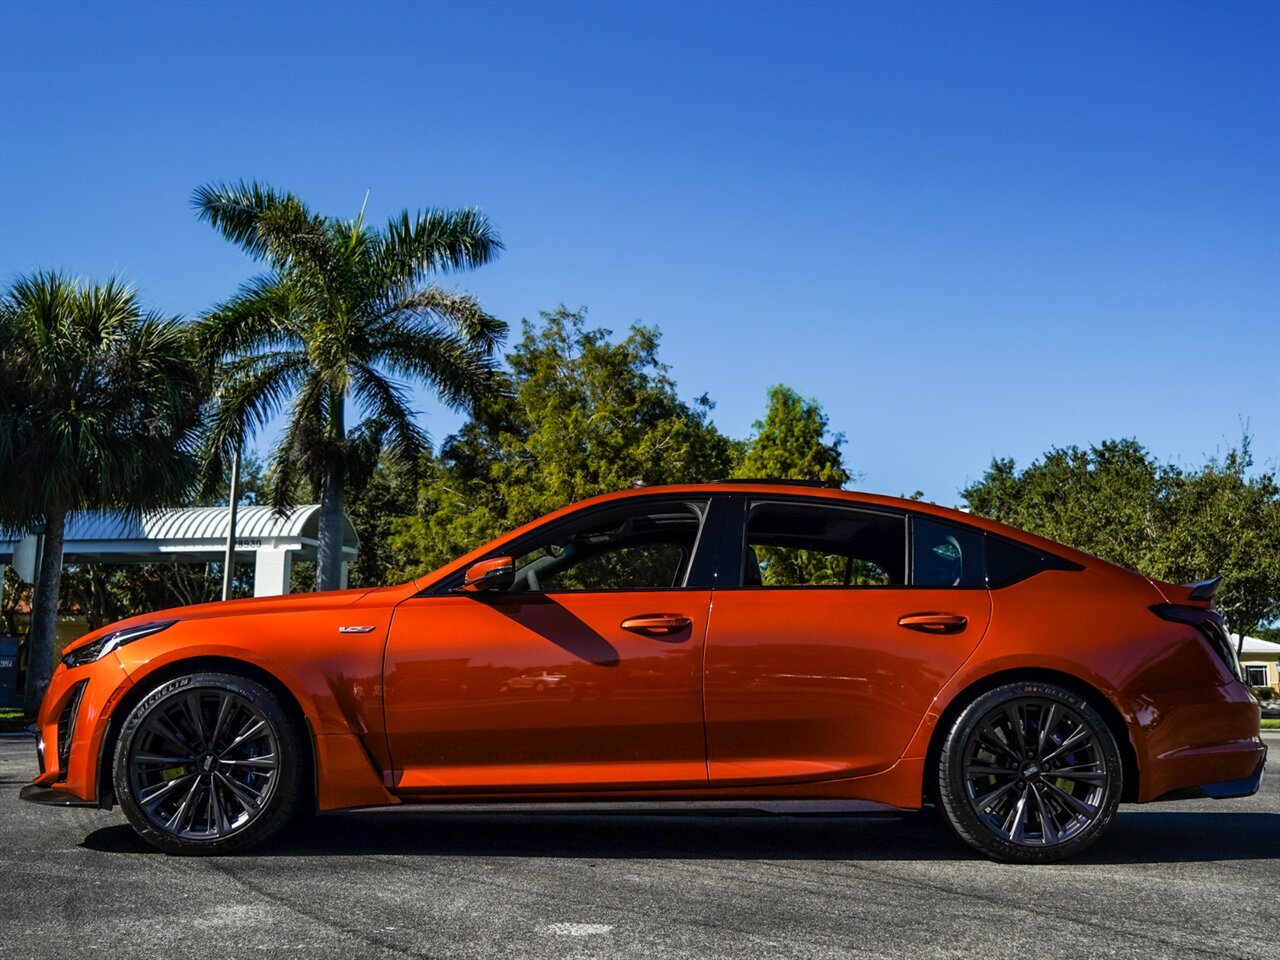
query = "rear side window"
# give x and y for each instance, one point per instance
(945, 555)
(951, 555)
(807, 545)
(1008, 562)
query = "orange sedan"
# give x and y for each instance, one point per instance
(746, 646)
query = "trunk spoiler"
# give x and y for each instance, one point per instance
(1204, 590)
(1207, 590)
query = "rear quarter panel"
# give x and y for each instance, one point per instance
(1174, 695)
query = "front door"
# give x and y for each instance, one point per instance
(585, 673)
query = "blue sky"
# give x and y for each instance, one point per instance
(967, 229)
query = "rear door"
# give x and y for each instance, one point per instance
(823, 659)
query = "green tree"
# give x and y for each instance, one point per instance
(381, 488)
(791, 443)
(345, 314)
(584, 415)
(99, 407)
(1116, 501)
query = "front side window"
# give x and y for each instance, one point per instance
(802, 545)
(639, 547)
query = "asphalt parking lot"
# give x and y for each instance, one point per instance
(1196, 879)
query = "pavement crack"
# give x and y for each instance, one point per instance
(361, 935)
(1006, 904)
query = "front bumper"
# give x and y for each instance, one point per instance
(80, 701)
(51, 797)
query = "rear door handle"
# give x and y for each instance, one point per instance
(934, 622)
(657, 624)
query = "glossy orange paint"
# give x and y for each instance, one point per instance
(824, 683)
(786, 693)
(545, 691)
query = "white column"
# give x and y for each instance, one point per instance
(344, 571)
(271, 568)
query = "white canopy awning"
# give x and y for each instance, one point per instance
(193, 535)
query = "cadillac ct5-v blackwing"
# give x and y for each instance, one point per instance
(746, 645)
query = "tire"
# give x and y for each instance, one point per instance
(207, 763)
(1030, 773)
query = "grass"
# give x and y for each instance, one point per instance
(1271, 723)
(12, 720)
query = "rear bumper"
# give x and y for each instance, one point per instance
(1223, 789)
(1187, 739)
(52, 797)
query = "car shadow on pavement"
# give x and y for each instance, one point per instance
(1145, 837)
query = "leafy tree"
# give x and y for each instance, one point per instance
(99, 405)
(584, 415)
(345, 313)
(791, 443)
(381, 489)
(1118, 502)
(17, 596)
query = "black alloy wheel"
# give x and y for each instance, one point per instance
(1030, 773)
(207, 763)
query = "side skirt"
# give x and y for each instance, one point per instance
(781, 808)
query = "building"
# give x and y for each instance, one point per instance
(1260, 661)
(270, 541)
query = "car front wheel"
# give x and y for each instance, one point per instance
(208, 763)
(1030, 773)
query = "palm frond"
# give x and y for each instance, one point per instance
(461, 373)
(388, 402)
(101, 399)
(300, 454)
(459, 310)
(266, 224)
(267, 312)
(435, 241)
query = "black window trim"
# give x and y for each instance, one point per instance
(750, 501)
(719, 549)
(734, 544)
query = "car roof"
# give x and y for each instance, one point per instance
(810, 491)
(776, 489)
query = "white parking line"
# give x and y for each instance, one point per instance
(578, 929)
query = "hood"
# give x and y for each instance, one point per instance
(289, 602)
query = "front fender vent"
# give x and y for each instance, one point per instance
(67, 727)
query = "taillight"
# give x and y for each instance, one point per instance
(1210, 625)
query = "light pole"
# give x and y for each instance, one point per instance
(228, 568)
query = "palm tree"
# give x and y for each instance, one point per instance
(99, 407)
(344, 313)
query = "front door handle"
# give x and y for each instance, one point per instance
(934, 622)
(657, 624)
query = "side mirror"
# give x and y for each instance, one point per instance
(496, 574)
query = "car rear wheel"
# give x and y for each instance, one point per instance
(1030, 773)
(208, 763)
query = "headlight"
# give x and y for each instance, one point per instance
(118, 638)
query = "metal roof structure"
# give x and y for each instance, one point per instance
(191, 535)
